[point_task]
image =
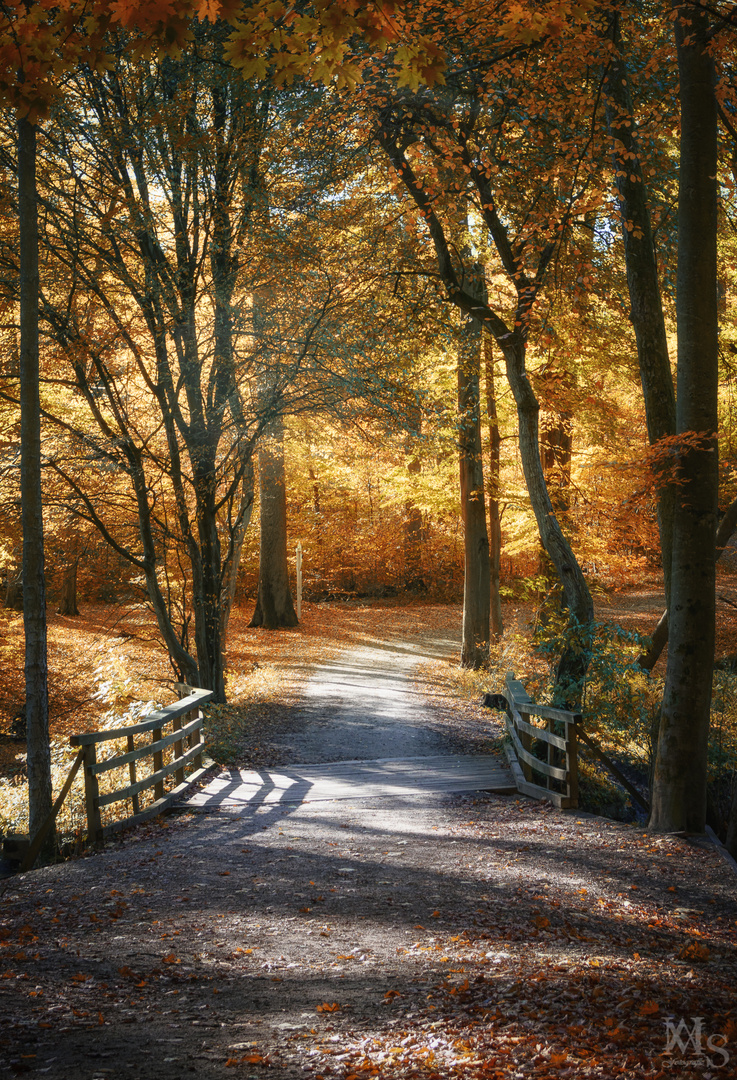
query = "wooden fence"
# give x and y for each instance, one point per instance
(186, 738)
(544, 747)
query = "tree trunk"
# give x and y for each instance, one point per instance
(34, 586)
(476, 580)
(233, 558)
(679, 783)
(495, 520)
(659, 639)
(207, 591)
(68, 598)
(574, 661)
(413, 579)
(646, 308)
(14, 591)
(731, 841)
(274, 606)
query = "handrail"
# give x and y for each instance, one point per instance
(191, 733)
(554, 777)
(155, 719)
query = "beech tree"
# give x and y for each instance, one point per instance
(679, 783)
(448, 143)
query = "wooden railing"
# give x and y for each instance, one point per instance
(186, 738)
(542, 729)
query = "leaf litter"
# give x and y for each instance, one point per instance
(511, 939)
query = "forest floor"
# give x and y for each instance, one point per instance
(426, 936)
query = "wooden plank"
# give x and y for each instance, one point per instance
(529, 759)
(159, 718)
(197, 738)
(146, 751)
(514, 765)
(516, 693)
(541, 733)
(150, 781)
(572, 763)
(355, 780)
(158, 808)
(550, 712)
(537, 792)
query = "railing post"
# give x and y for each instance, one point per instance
(132, 774)
(158, 764)
(196, 737)
(550, 753)
(526, 739)
(572, 761)
(91, 795)
(179, 774)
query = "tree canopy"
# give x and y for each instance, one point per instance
(268, 229)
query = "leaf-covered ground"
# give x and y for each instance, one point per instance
(425, 937)
(435, 937)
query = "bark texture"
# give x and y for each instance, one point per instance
(34, 585)
(679, 783)
(413, 579)
(68, 597)
(659, 638)
(274, 605)
(476, 578)
(495, 519)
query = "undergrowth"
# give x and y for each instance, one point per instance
(620, 704)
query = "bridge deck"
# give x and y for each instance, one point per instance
(233, 788)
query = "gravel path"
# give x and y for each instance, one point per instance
(362, 705)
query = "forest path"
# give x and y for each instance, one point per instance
(417, 935)
(362, 714)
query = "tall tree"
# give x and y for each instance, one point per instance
(679, 783)
(477, 570)
(34, 584)
(495, 518)
(449, 144)
(274, 605)
(646, 307)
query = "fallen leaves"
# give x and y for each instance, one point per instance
(248, 1059)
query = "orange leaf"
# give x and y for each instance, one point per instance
(649, 1008)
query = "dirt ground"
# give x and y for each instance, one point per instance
(425, 936)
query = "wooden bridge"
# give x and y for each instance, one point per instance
(233, 788)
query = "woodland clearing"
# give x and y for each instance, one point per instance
(427, 936)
